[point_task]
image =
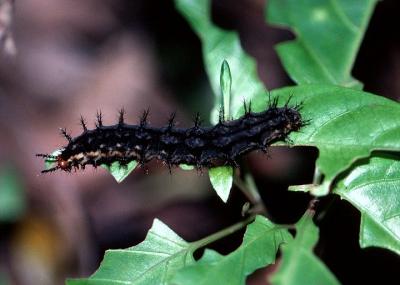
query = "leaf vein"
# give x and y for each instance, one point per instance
(345, 19)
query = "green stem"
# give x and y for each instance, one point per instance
(314, 201)
(242, 187)
(222, 233)
(317, 179)
(249, 189)
(248, 178)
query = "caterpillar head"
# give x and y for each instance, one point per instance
(293, 117)
(57, 160)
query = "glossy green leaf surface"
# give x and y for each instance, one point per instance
(299, 265)
(373, 187)
(219, 45)
(344, 124)
(226, 87)
(221, 179)
(153, 261)
(260, 244)
(328, 36)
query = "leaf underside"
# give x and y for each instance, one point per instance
(373, 187)
(221, 179)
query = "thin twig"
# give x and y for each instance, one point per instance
(249, 189)
(222, 233)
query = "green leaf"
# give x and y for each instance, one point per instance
(49, 163)
(153, 261)
(260, 244)
(345, 125)
(186, 167)
(221, 179)
(226, 86)
(120, 172)
(12, 196)
(219, 45)
(328, 36)
(299, 265)
(373, 187)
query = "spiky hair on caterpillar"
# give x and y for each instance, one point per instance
(202, 147)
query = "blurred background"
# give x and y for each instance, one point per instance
(62, 58)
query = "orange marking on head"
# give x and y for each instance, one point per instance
(63, 164)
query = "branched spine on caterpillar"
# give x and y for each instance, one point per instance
(217, 145)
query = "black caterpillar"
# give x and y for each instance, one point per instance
(218, 145)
